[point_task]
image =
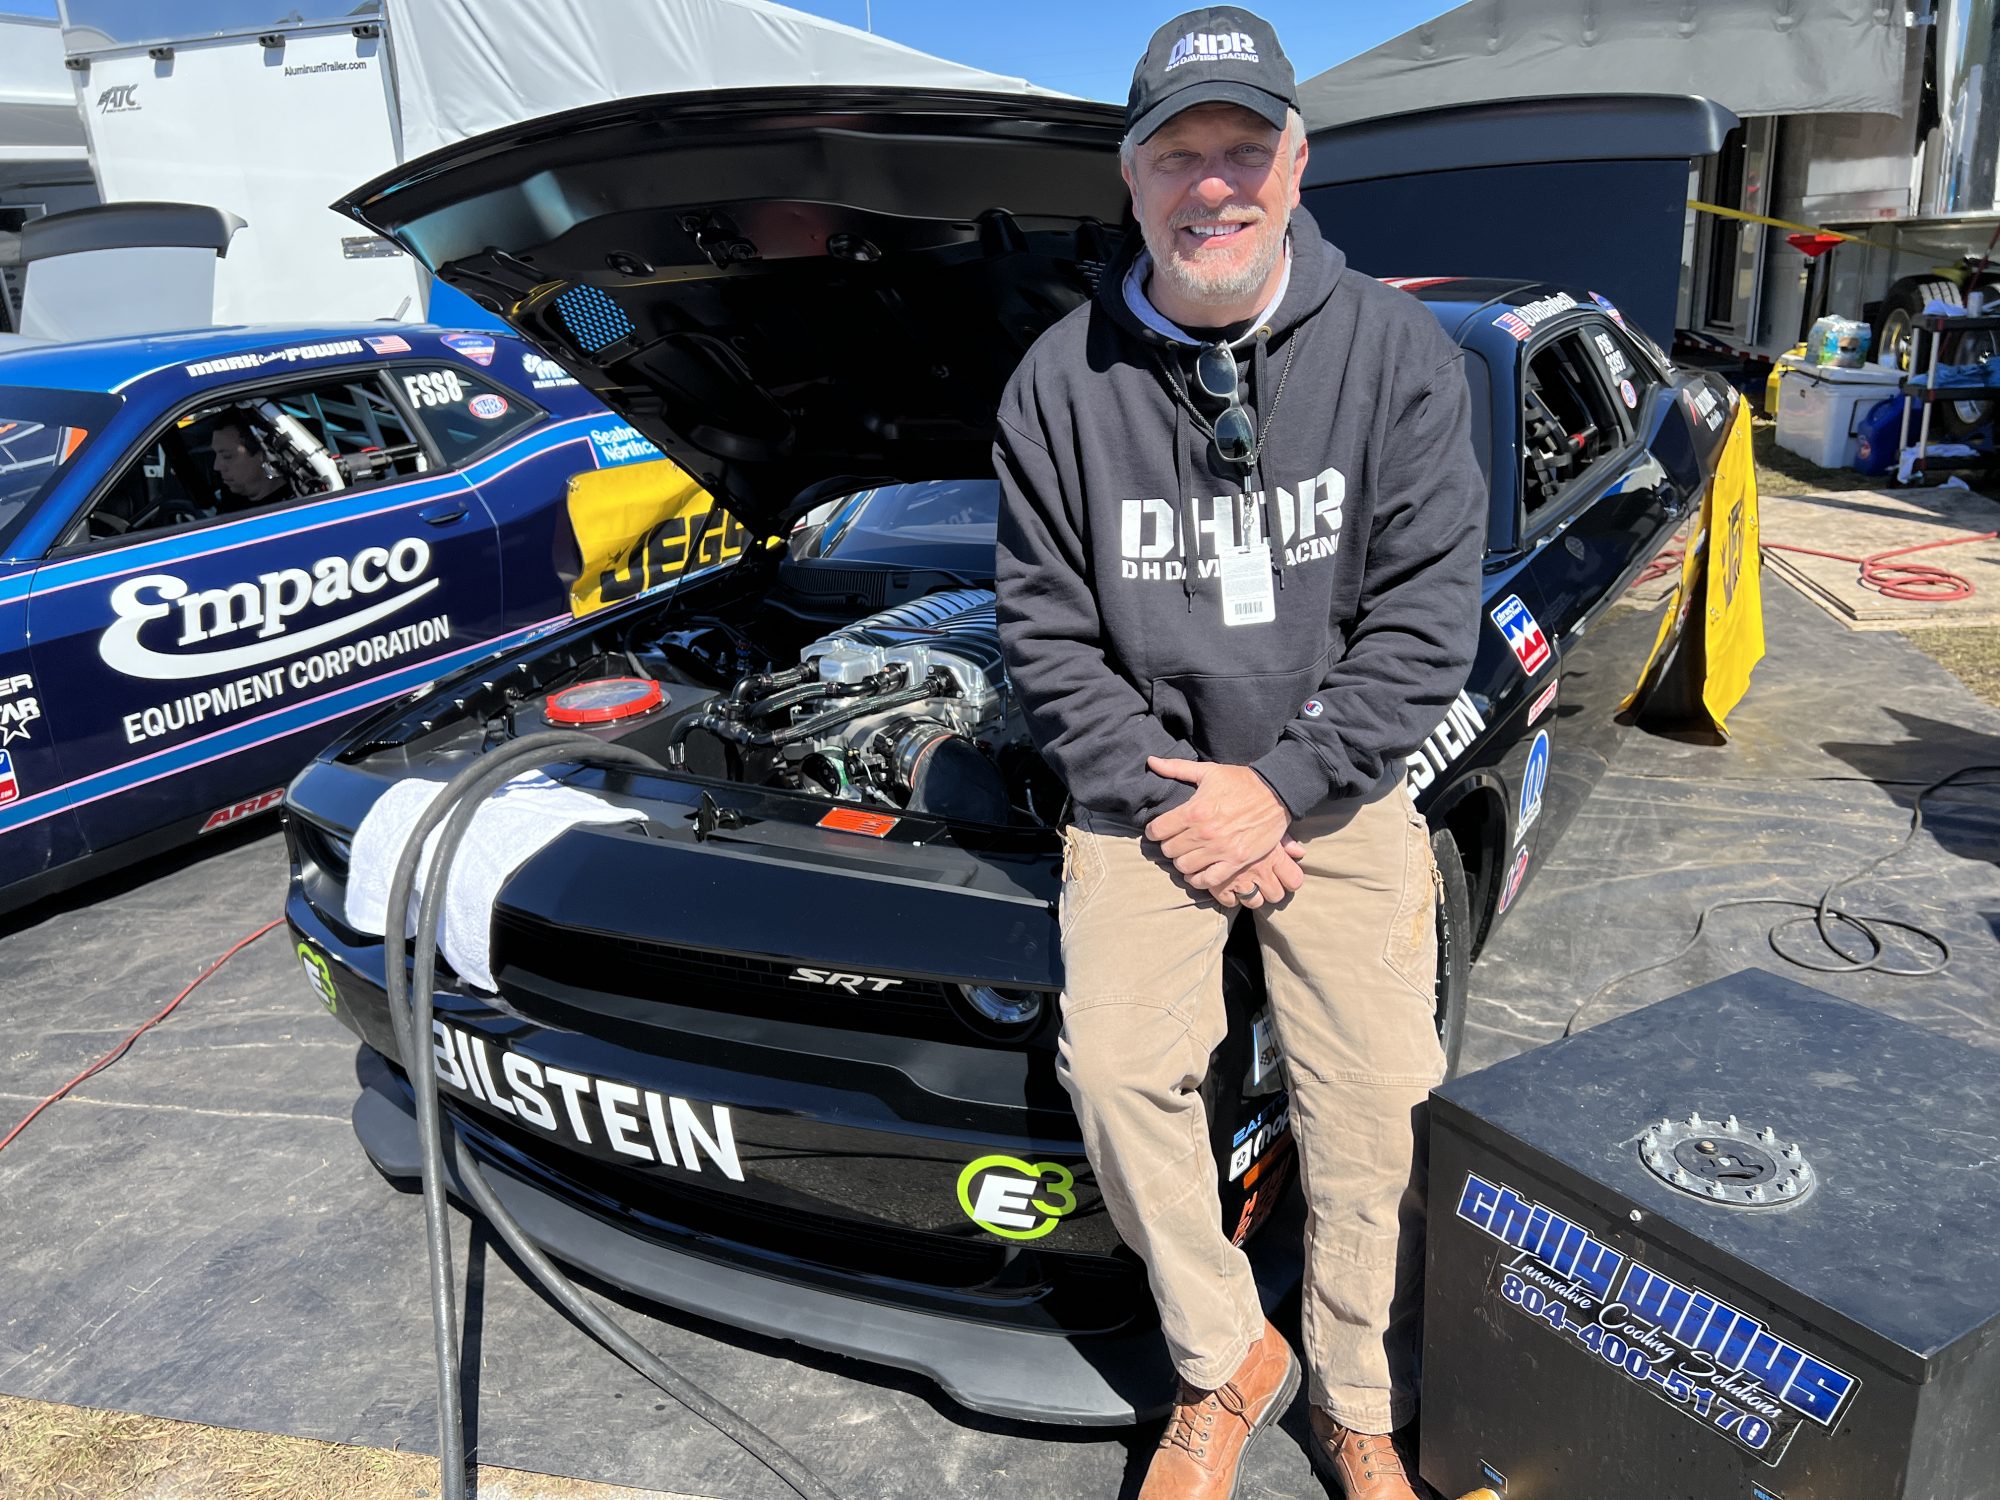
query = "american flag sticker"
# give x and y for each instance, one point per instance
(389, 343)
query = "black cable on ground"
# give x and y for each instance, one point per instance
(1822, 914)
(410, 999)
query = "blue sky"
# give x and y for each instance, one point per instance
(1082, 47)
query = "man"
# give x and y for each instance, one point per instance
(249, 477)
(1239, 547)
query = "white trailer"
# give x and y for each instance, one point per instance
(269, 110)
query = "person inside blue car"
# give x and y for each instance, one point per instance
(241, 447)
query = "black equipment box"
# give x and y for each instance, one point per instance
(1741, 1245)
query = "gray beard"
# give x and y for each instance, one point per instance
(1220, 287)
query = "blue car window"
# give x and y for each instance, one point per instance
(464, 414)
(41, 431)
(361, 428)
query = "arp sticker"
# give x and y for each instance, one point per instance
(10, 784)
(319, 974)
(476, 347)
(487, 407)
(249, 807)
(1534, 781)
(1524, 635)
(1543, 702)
(1014, 1199)
(1718, 1366)
(1515, 876)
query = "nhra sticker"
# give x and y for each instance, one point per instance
(487, 407)
(1534, 779)
(319, 974)
(249, 807)
(10, 786)
(1014, 1199)
(1445, 744)
(1514, 878)
(1524, 636)
(476, 347)
(19, 708)
(1719, 1367)
(581, 1110)
(623, 444)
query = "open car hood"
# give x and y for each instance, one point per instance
(785, 289)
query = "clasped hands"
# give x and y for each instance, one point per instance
(1229, 838)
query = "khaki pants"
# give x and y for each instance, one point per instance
(1350, 962)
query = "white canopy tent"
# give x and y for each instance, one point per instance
(1754, 57)
(468, 66)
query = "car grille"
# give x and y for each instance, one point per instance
(702, 979)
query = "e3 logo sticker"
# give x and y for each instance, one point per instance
(318, 974)
(1016, 1199)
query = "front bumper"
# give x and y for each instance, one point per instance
(1105, 1379)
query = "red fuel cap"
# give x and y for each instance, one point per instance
(605, 701)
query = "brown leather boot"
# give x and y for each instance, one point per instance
(1201, 1452)
(1363, 1465)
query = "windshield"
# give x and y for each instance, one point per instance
(940, 523)
(40, 432)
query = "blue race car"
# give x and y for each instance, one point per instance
(218, 548)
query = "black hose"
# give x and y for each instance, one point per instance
(411, 999)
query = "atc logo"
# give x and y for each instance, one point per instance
(1534, 780)
(1014, 1199)
(1524, 636)
(120, 99)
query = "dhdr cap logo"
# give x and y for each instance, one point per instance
(1015, 1199)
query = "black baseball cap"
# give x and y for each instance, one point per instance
(1220, 54)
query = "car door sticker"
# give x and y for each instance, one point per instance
(1521, 321)
(10, 785)
(427, 388)
(622, 444)
(1534, 780)
(290, 355)
(476, 347)
(1541, 704)
(1524, 636)
(19, 708)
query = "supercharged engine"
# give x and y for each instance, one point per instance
(909, 707)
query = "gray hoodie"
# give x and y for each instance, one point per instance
(1115, 516)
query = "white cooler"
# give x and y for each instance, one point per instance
(1820, 406)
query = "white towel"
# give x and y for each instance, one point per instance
(518, 821)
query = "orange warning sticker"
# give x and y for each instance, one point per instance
(853, 820)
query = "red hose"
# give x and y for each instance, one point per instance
(1915, 582)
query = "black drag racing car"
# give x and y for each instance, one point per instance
(779, 1050)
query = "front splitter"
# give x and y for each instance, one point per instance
(1098, 1380)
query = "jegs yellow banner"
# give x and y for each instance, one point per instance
(640, 525)
(1721, 592)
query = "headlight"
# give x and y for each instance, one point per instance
(1000, 1013)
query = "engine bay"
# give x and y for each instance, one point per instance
(907, 709)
